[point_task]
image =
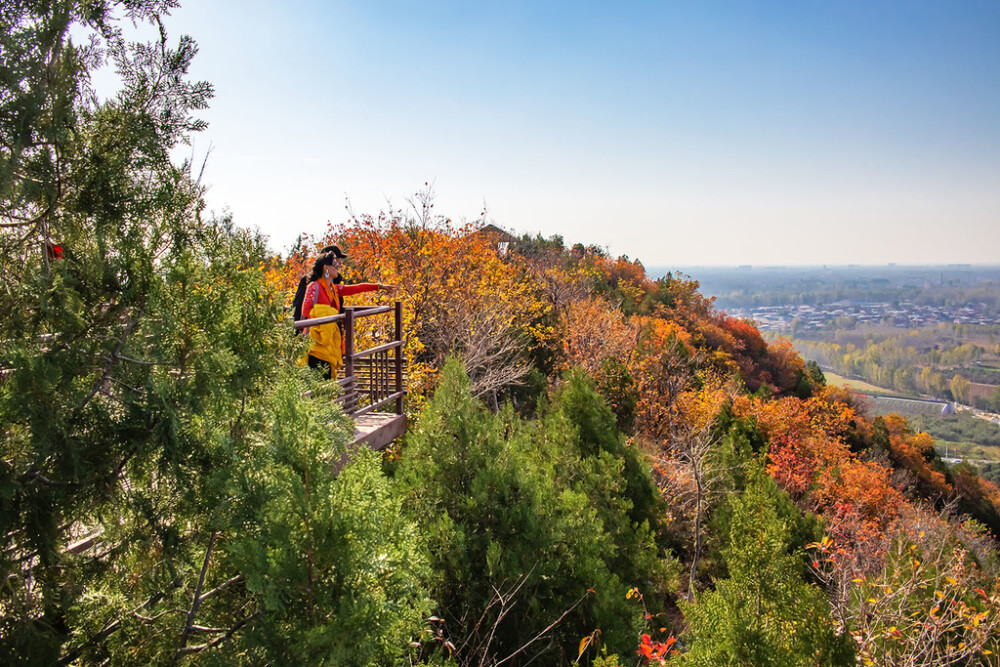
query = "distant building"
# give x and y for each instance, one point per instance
(501, 238)
(948, 409)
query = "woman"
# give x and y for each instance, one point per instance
(324, 297)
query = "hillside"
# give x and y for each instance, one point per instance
(694, 392)
(600, 468)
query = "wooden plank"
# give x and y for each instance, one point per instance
(377, 429)
(374, 430)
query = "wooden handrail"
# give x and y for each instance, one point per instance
(316, 321)
(358, 311)
(380, 348)
(367, 311)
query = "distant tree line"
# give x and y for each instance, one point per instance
(944, 371)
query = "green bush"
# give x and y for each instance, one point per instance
(618, 387)
(732, 460)
(763, 613)
(335, 564)
(539, 517)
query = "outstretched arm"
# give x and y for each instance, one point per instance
(348, 290)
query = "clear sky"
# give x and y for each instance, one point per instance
(681, 133)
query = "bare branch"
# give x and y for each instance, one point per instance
(224, 585)
(543, 632)
(218, 640)
(198, 599)
(105, 376)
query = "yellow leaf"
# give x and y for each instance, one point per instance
(584, 643)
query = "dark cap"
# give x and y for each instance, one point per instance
(335, 250)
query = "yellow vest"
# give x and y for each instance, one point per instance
(326, 342)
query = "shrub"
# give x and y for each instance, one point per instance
(764, 613)
(532, 515)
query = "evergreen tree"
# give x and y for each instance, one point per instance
(165, 487)
(763, 613)
(529, 516)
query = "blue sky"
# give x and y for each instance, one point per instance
(679, 133)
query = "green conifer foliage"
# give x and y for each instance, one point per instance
(733, 460)
(612, 475)
(524, 518)
(166, 489)
(764, 613)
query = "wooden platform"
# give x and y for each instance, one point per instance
(374, 430)
(377, 429)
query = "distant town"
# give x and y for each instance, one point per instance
(798, 319)
(805, 300)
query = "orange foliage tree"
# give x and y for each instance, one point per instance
(461, 296)
(913, 452)
(594, 330)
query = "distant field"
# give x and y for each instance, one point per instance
(857, 385)
(908, 407)
(963, 436)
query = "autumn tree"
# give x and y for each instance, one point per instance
(595, 330)
(959, 387)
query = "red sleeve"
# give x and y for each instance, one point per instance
(310, 300)
(348, 290)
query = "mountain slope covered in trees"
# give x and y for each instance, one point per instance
(601, 468)
(698, 394)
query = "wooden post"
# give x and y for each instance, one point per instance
(349, 351)
(399, 355)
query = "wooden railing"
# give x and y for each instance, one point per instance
(372, 378)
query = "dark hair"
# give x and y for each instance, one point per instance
(321, 261)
